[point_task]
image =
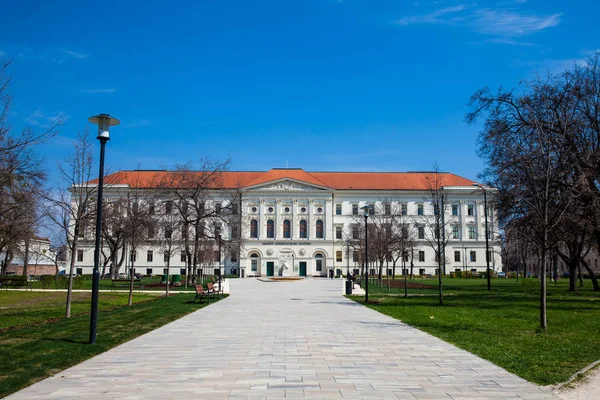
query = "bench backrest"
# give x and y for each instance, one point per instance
(199, 289)
(210, 286)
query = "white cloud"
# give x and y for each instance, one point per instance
(76, 54)
(431, 18)
(511, 23)
(109, 90)
(42, 120)
(507, 22)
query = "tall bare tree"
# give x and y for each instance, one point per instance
(71, 207)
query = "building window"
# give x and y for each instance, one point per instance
(79, 255)
(166, 256)
(319, 262)
(354, 255)
(254, 209)
(489, 256)
(319, 229)
(354, 209)
(286, 229)
(233, 256)
(473, 256)
(355, 232)
(471, 232)
(338, 232)
(371, 209)
(81, 233)
(151, 232)
(79, 271)
(454, 209)
(254, 263)
(404, 209)
(387, 208)
(338, 209)
(436, 209)
(148, 271)
(218, 208)
(457, 256)
(270, 229)
(234, 232)
(217, 228)
(421, 232)
(184, 231)
(132, 256)
(217, 254)
(169, 207)
(182, 256)
(303, 230)
(168, 233)
(338, 256)
(149, 256)
(470, 209)
(420, 209)
(234, 208)
(421, 256)
(319, 210)
(405, 256)
(455, 232)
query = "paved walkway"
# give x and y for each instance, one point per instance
(285, 339)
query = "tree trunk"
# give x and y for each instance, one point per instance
(592, 276)
(579, 275)
(26, 258)
(131, 278)
(168, 268)
(70, 285)
(572, 274)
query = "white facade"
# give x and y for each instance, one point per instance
(291, 202)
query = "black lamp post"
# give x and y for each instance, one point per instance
(104, 122)
(366, 215)
(487, 243)
(220, 272)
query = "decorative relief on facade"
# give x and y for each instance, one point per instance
(286, 185)
(269, 252)
(302, 252)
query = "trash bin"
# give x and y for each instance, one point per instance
(349, 285)
(331, 273)
(163, 279)
(176, 279)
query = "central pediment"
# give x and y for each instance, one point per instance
(286, 185)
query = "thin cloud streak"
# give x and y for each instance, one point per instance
(111, 90)
(494, 22)
(76, 54)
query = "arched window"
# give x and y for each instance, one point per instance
(303, 231)
(319, 229)
(254, 229)
(319, 262)
(286, 229)
(254, 262)
(270, 229)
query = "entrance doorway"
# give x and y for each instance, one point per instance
(302, 268)
(270, 268)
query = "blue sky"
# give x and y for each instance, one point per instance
(323, 85)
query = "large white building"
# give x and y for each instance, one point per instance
(302, 223)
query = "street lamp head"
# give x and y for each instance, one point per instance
(365, 210)
(104, 122)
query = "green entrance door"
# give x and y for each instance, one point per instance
(302, 268)
(270, 268)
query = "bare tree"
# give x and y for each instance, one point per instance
(527, 161)
(70, 208)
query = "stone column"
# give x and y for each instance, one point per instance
(310, 230)
(262, 223)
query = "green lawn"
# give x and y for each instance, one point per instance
(502, 325)
(34, 350)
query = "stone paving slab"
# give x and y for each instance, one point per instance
(292, 339)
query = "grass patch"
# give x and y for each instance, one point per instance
(502, 325)
(31, 353)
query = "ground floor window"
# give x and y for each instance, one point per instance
(421, 271)
(182, 271)
(148, 271)
(254, 262)
(319, 262)
(79, 271)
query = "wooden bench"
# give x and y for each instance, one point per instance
(15, 281)
(201, 293)
(125, 283)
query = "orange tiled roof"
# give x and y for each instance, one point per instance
(332, 180)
